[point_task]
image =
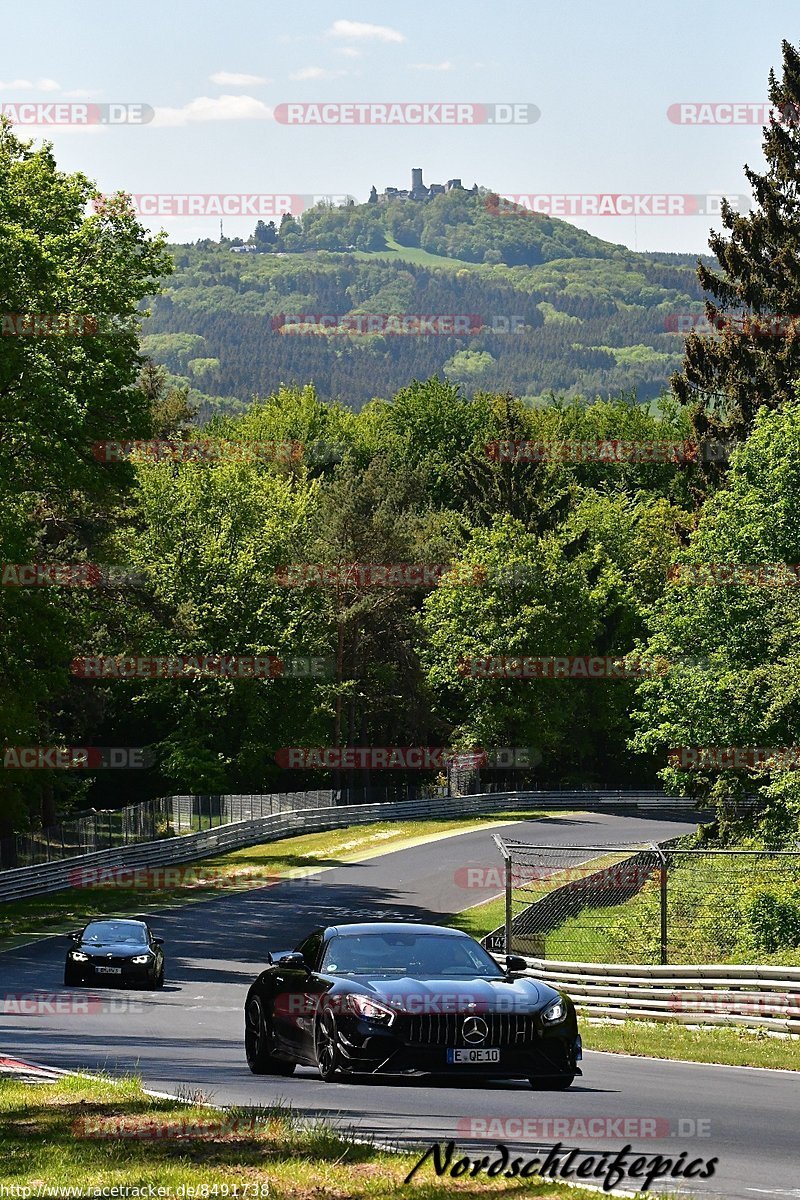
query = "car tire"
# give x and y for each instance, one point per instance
(71, 978)
(551, 1083)
(326, 1046)
(257, 1042)
(157, 981)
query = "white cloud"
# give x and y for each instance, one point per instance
(220, 108)
(83, 93)
(362, 32)
(349, 51)
(29, 85)
(315, 73)
(232, 79)
(442, 66)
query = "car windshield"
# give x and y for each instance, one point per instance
(422, 955)
(100, 933)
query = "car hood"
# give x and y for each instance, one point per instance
(477, 994)
(115, 949)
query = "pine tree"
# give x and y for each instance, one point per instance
(752, 357)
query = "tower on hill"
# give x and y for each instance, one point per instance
(418, 189)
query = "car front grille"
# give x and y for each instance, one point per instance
(446, 1029)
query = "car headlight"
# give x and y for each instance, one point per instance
(373, 1010)
(78, 956)
(556, 1012)
(141, 958)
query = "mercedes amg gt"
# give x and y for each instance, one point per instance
(115, 951)
(398, 999)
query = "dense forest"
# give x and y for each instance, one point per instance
(551, 309)
(570, 556)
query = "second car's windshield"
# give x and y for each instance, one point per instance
(417, 955)
(114, 931)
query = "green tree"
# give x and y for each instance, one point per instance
(752, 360)
(740, 685)
(377, 514)
(210, 538)
(265, 235)
(530, 603)
(60, 391)
(577, 586)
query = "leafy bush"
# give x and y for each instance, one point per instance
(715, 914)
(773, 916)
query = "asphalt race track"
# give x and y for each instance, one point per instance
(189, 1037)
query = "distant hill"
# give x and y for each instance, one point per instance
(546, 307)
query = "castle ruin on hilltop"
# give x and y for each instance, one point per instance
(418, 190)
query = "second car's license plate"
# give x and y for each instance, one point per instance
(473, 1056)
(108, 970)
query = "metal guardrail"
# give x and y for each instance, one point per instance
(166, 816)
(20, 882)
(751, 997)
(161, 817)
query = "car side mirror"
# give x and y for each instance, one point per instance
(515, 962)
(293, 962)
(73, 935)
(158, 941)
(268, 959)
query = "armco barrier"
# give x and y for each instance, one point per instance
(20, 882)
(151, 820)
(752, 997)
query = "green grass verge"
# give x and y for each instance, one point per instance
(49, 1140)
(706, 923)
(728, 1046)
(593, 935)
(254, 866)
(481, 918)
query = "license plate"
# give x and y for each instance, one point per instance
(108, 970)
(473, 1056)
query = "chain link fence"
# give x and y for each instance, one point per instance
(173, 816)
(649, 904)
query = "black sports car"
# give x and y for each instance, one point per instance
(115, 951)
(392, 998)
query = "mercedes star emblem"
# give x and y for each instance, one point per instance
(474, 1029)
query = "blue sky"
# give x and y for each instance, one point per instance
(603, 77)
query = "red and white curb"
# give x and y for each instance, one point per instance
(28, 1072)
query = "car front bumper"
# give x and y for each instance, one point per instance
(365, 1047)
(123, 973)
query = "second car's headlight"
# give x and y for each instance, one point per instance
(555, 1013)
(141, 958)
(78, 956)
(373, 1010)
